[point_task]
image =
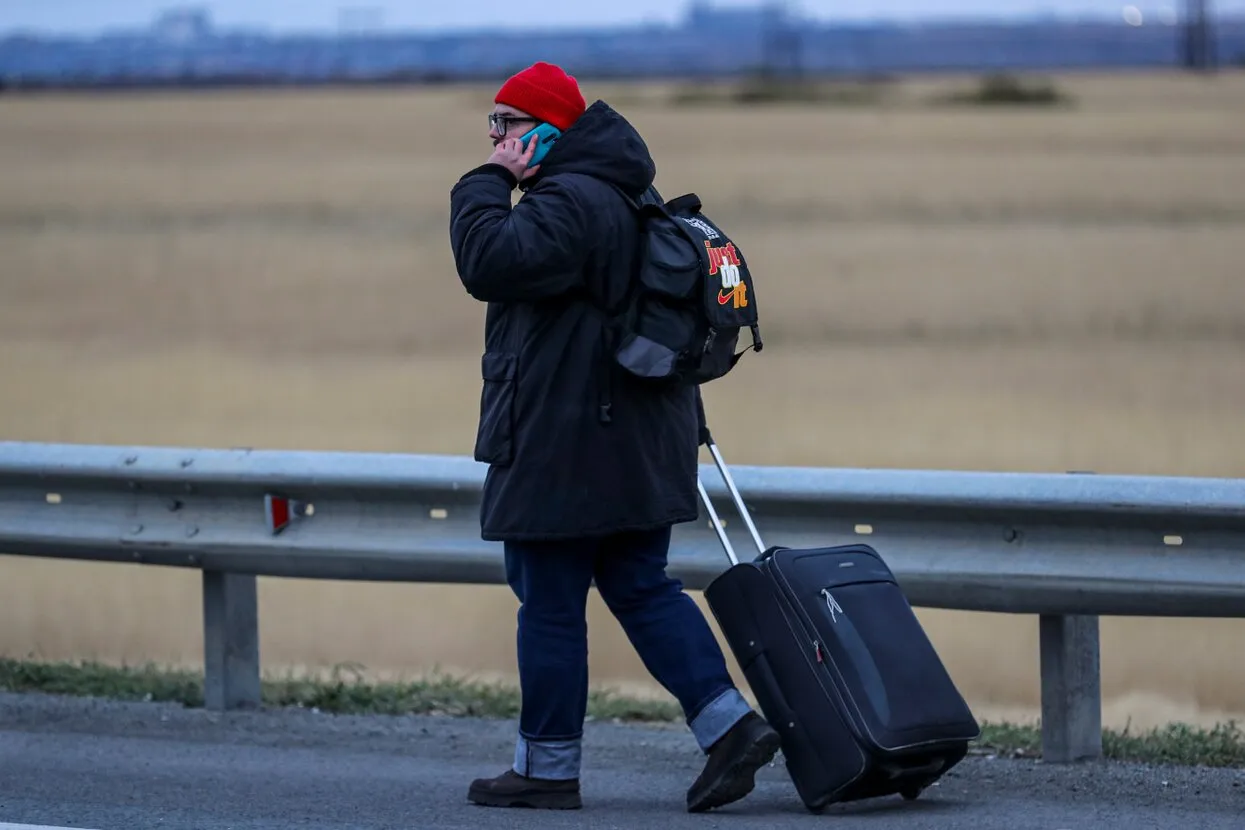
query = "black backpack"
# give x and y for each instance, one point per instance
(690, 297)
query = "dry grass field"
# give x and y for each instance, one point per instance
(972, 288)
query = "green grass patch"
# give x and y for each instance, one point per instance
(1003, 89)
(346, 691)
(1180, 744)
(761, 89)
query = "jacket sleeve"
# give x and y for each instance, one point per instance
(528, 252)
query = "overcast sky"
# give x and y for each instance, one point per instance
(90, 16)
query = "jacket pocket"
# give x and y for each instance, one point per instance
(495, 436)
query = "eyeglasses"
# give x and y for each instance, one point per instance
(501, 121)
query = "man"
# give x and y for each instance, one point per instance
(588, 469)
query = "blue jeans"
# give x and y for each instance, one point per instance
(666, 628)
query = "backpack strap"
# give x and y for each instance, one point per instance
(613, 314)
(689, 201)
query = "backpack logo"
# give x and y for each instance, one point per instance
(724, 261)
(701, 225)
(739, 294)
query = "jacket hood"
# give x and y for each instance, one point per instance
(604, 145)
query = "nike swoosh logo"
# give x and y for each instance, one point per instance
(723, 299)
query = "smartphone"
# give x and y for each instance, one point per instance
(545, 134)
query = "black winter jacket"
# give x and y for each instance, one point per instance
(559, 468)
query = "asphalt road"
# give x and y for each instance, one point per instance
(78, 763)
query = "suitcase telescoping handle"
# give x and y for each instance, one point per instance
(706, 438)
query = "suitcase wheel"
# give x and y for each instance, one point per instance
(911, 793)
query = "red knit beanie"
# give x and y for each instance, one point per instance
(546, 92)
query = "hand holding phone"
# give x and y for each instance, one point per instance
(545, 135)
(522, 156)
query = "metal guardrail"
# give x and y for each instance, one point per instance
(1066, 547)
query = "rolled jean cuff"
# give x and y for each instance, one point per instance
(549, 760)
(717, 717)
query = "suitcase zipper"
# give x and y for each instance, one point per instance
(831, 604)
(823, 678)
(830, 671)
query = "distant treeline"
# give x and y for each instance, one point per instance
(236, 80)
(693, 52)
(227, 80)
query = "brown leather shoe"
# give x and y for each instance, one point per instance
(513, 790)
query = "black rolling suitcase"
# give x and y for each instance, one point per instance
(840, 666)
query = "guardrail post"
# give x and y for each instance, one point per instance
(230, 641)
(1071, 689)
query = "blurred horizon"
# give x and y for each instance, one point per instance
(86, 18)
